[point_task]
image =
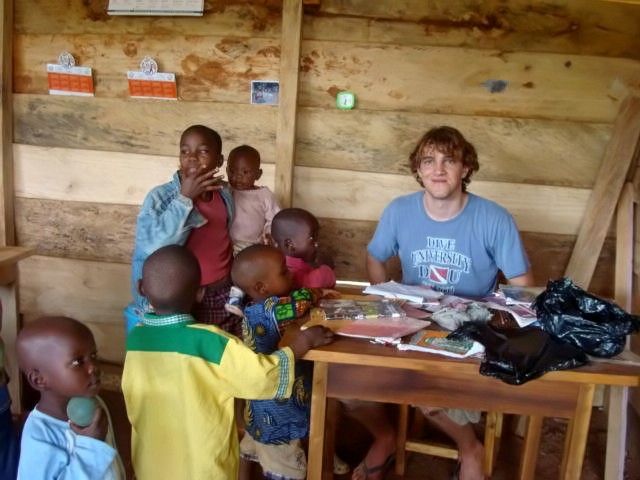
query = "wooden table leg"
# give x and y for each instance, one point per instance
(401, 439)
(578, 431)
(530, 448)
(318, 417)
(329, 438)
(616, 432)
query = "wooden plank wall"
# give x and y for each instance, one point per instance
(83, 165)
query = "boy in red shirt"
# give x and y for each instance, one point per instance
(194, 209)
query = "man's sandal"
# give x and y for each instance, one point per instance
(382, 468)
(340, 467)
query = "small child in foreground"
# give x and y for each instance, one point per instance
(274, 428)
(58, 358)
(180, 378)
(295, 233)
(255, 205)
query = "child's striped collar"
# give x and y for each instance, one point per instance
(153, 320)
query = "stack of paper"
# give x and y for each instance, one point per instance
(412, 293)
(434, 341)
(383, 330)
(359, 309)
(522, 314)
(516, 295)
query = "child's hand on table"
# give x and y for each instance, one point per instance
(310, 338)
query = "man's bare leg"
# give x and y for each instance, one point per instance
(373, 416)
(470, 450)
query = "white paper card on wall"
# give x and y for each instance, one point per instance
(64, 78)
(149, 83)
(156, 7)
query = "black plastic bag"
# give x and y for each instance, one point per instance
(517, 355)
(570, 314)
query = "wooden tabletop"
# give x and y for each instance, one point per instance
(10, 255)
(361, 352)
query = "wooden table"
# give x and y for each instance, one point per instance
(9, 257)
(356, 369)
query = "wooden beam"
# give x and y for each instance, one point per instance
(7, 231)
(286, 127)
(619, 396)
(618, 158)
(624, 248)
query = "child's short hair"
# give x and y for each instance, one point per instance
(34, 338)
(448, 140)
(248, 266)
(287, 220)
(209, 132)
(244, 149)
(171, 278)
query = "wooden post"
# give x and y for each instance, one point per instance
(602, 203)
(618, 395)
(8, 290)
(286, 128)
(624, 248)
(7, 229)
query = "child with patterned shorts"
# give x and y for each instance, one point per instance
(274, 429)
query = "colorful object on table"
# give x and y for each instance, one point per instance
(80, 410)
(345, 100)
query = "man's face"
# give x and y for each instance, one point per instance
(441, 173)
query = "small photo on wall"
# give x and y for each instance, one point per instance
(265, 92)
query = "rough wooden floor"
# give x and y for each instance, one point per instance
(424, 467)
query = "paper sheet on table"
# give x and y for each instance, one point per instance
(412, 293)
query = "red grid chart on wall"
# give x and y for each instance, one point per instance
(69, 81)
(157, 85)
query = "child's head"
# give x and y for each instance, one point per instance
(200, 150)
(295, 233)
(243, 167)
(171, 280)
(449, 141)
(58, 357)
(261, 272)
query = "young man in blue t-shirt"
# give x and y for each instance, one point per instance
(454, 242)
